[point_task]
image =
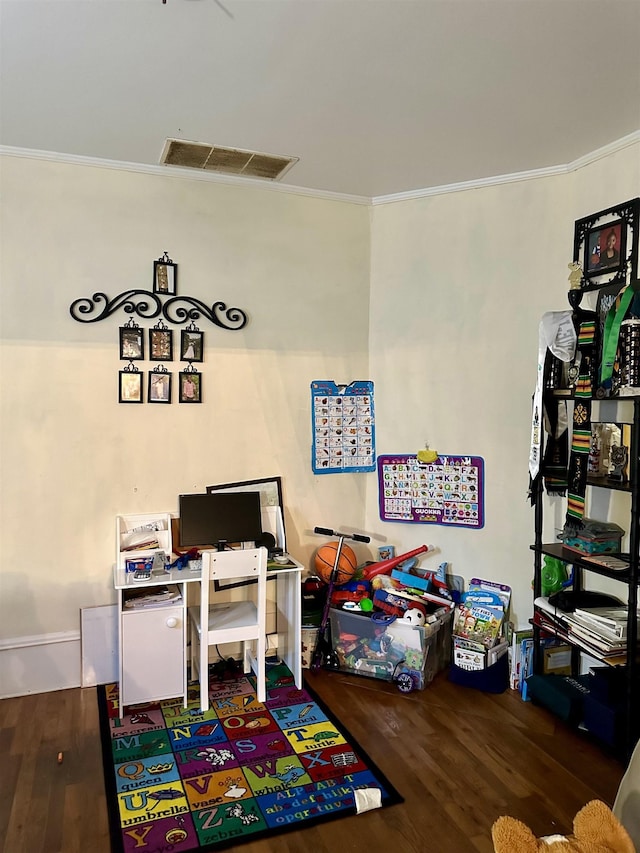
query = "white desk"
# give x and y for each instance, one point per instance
(152, 647)
(289, 614)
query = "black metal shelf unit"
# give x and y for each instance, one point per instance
(629, 577)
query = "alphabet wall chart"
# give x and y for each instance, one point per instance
(448, 491)
(343, 424)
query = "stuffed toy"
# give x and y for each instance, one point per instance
(595, 830)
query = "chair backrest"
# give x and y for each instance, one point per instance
(226, 565)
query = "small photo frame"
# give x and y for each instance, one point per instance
(190, 386)
(191, 345)
(606, 245)
(604, 248)
(131, 343)
(165, 276)
(130, 386)
(160, 345)
(159, 390)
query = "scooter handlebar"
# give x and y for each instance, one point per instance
(357, 537)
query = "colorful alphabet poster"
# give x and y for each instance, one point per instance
(343, 425)
(448, 491)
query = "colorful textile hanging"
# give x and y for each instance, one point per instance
(581, 437)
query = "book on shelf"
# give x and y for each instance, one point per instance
(515, 656)
(526, 665)
(559, 626)
(613, 562)
(609, 621)
(596, 640)
(138, 599)
(144, 541)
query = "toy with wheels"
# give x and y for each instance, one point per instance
(406, 680)
(323, 654)
(405, 683)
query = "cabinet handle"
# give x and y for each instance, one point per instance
(172, 622)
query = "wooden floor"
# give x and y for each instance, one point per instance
(460, 759)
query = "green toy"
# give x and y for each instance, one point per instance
(553, 575)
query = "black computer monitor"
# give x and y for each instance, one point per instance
(220, 518)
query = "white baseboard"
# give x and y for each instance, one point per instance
(47, 662)
(39, 664)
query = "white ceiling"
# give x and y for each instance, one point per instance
(376, 97)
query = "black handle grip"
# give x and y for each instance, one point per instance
(358, 537)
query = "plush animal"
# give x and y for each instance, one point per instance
(595, 830)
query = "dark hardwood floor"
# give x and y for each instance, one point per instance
(460, 758)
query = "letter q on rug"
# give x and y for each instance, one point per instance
(185, 780)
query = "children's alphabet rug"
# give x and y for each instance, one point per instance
(179, 779)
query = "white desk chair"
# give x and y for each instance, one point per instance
(214, 623)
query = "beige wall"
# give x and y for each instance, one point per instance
(72, 457)
(437, 300)
(458, 285)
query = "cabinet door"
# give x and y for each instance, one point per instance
(153, 665)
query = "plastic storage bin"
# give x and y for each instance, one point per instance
(384, 650)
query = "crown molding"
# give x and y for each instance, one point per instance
(289, 189)
(605, 151)
(514, 177)
(177, 172)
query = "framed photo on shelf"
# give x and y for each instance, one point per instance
(160, 345)
(605, 245)
(159, 390)
(191, 345)
(130, 386)
(190, 386)
(165, 276)
(131, 343)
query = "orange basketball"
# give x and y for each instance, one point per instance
(326, 558)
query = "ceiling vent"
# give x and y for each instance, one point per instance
(226, 161)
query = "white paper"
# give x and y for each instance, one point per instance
(367, 799)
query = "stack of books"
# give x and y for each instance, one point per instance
(601, 631)
(156, 596)
(478, 641)
(605, 627)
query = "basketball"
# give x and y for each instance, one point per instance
(325, 560)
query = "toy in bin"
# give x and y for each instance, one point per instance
(355, 590)
(384, 646)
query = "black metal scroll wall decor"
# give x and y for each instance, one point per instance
(150, 304)
(162, 300)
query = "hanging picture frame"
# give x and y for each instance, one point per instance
(606, 245)
(190, 386)
(160, 343)
(191, 344)
(159, 387)
(165, 276)
(130, 385)
(131, 342)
